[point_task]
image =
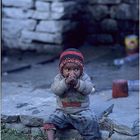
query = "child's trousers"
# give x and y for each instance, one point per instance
(85, 122)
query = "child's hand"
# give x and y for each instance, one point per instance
(72, 80)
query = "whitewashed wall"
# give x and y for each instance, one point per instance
(39, 24)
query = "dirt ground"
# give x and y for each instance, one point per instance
(98, 64)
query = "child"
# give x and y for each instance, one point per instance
(72, 87)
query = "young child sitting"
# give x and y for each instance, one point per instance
(72, 87)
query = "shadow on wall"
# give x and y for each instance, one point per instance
(110, 21)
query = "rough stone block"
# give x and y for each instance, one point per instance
(117, 136)
(12, 28)
(125, 12)
(109, 25)
(99, 12)
(36, 131)
(17, 13)
(20, 128)
(63, 10)
(64, 15)
(61, 7)
(55, 15)
(51, 0)
(42, 48)
(104, 1)
(41, 15)
(9, 119)
(42, 6)
(22, 45)
(125, 26)
(31, 121)
(39, 47)
(57, 7)
(121, 119)
(43, 37)
(55, 26)
(104, 134)
(127, 130)
(18, 24)
(17, 3)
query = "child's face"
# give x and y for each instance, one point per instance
(71, 69)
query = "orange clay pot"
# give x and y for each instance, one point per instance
(119, 88)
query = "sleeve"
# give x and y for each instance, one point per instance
(85, 86)
(59, 86)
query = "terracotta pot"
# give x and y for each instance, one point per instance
(119, 88)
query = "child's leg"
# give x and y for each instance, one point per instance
(50, 134)
(50, 130)
(57, 119)
(86, 123)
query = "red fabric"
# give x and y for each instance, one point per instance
(71, 52)
(71, 56)
(71, 61)
(48, 126)
(71, 104)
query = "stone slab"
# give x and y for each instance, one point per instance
(31, 121)
(98, 12)
(41, 15)
(51, 26)
(9, 30)
(41, 36)
(125, 12)
(61, 7)
(17, 13)
(20, 128)
(42, 6)
(121, 116)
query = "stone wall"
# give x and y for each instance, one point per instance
(111, 20)
(49, 25)
(41, 24)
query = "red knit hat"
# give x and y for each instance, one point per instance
(71, 55)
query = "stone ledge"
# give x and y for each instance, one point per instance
(120, 121)
(105, 124)
(41, 36)
(66, 134)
